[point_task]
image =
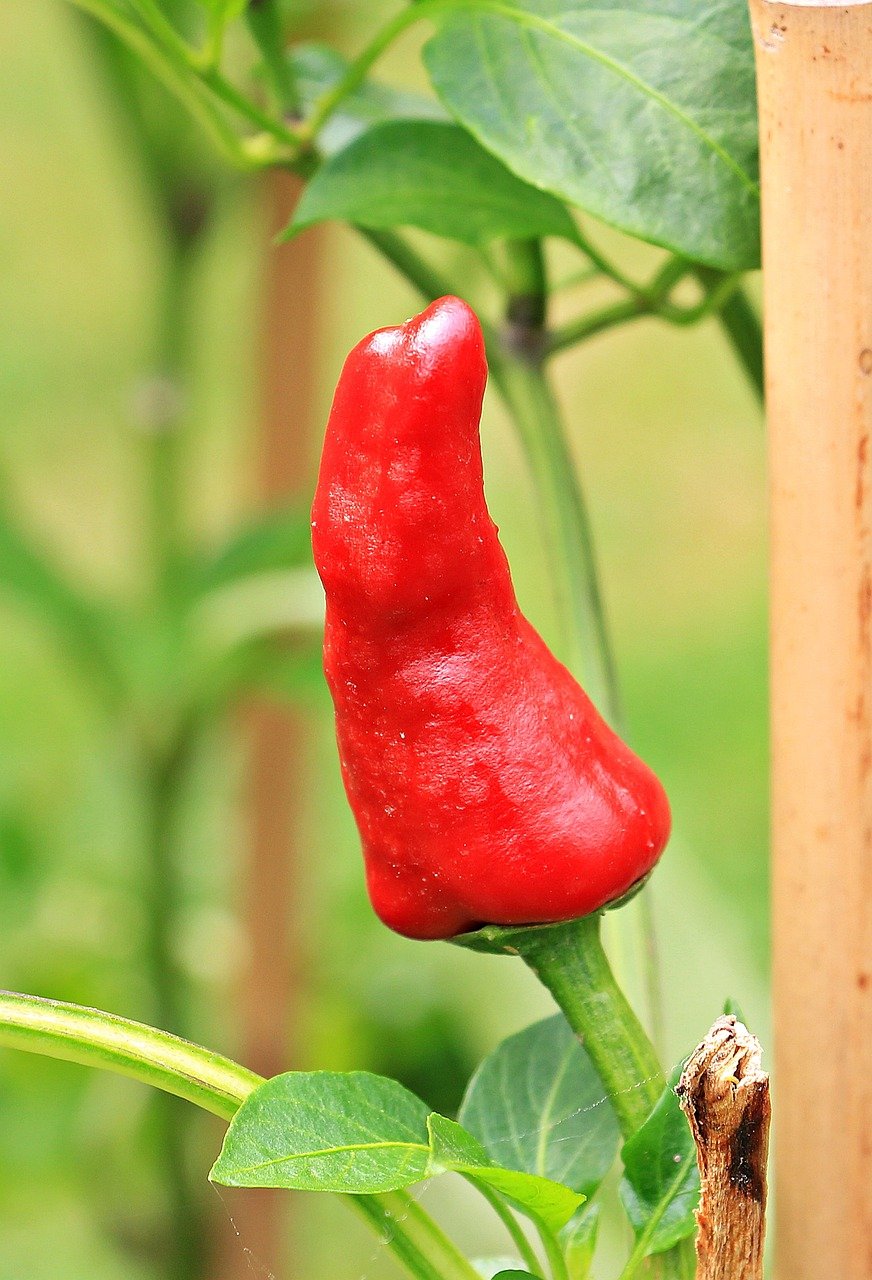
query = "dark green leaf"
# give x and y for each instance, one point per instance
(579, 1242)
(642, 114)
(318, 68)
(514, 1275)
(327, 1131)
(660, 1187)
(455, 1150)
(433, 176)
(537, 1105)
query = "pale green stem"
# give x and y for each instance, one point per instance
(554, 1254)
(569, 539)
(173, 73)
(416, 1239)
(96, 1039)
(680, 1255)
(93, 1038)
(362, 65)
(510, 1222)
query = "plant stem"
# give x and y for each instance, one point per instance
(428, 280)
(530, 400)
(96, 1039)
(554, 1253)
(266, 25)
(416, 1239)
(594, 322)
(164, 756)
(172, 72)
(93, 1038)
(570, 961)
(162, 782)
(358, 70)
(510, 1222)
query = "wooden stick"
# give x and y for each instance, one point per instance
(814, 71)
(725, 1096)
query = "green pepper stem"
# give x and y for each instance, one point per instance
(570, 961)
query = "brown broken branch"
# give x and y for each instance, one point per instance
(725, 1096)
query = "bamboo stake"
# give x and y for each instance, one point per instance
(725, 1096)
(814, 69)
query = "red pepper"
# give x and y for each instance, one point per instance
(486, 787)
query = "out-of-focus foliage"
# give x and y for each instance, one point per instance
(669, 444)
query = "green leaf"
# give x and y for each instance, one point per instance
(327, 1131)
(579, 1242)
(276, 540)
(514, 1275)
(660, 1186)
(224, 10)
(537, 1105)
(318, 68)
(433, 176)
(455, 1150)
(733, 1007)
(642, 114)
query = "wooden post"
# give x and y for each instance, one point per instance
(814, 70)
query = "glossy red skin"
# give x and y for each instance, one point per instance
(486, 787)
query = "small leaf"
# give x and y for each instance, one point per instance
(318, 68)
(537, 1105)
(579, 1239)
(733, 1007)
(326, 1131)
(455, 1150)
(660, 1186)
(514, 1275)
(643, 114)
(433, 176)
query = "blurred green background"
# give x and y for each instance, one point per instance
(668, 439)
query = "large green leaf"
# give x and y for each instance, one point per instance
(453, 1150)
(642, 114)
(327, 1131)
(537, 1104)
(660, 1187)
(431, 175)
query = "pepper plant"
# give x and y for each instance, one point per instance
(546, 120)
